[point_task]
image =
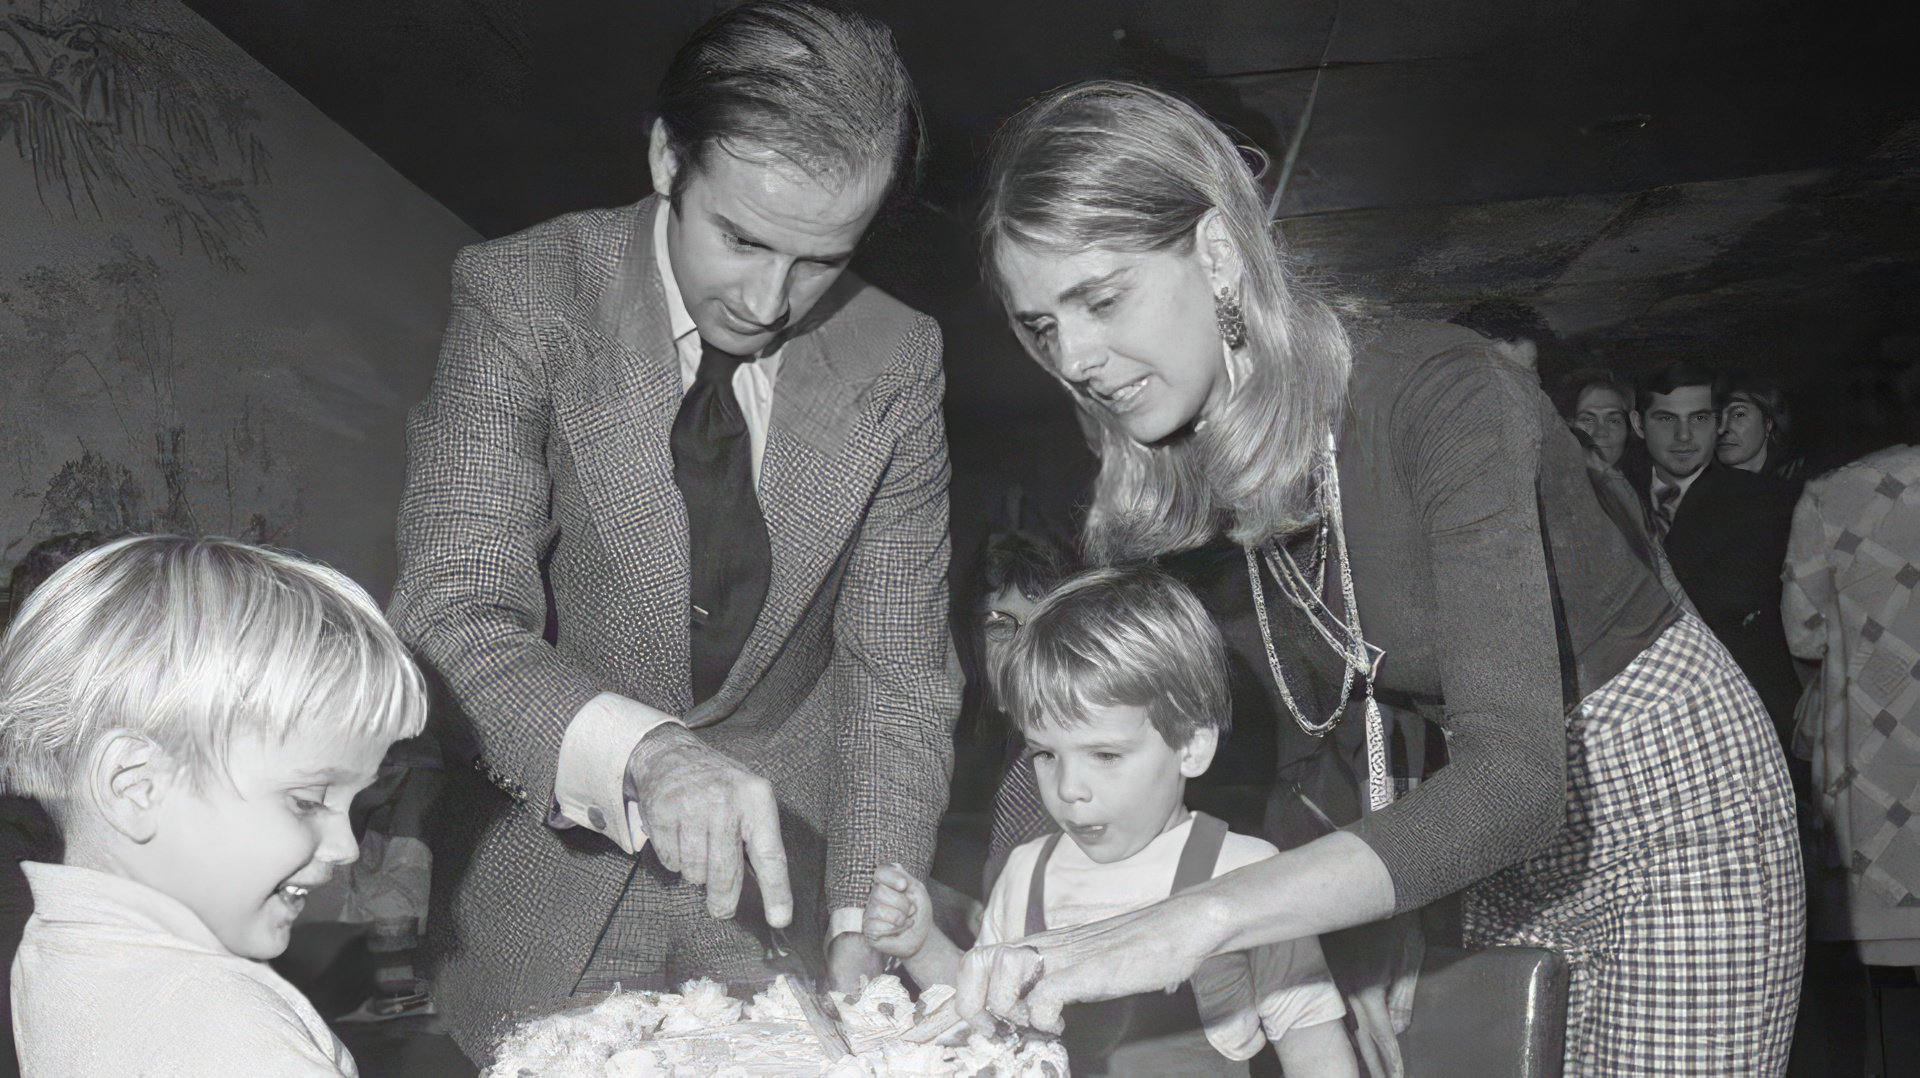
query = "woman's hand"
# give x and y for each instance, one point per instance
(1331, 883)
(1028, 981)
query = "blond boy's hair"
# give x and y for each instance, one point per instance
(1118, 637)
(193, 643)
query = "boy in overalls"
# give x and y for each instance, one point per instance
(1118, 682)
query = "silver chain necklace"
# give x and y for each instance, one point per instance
(1304, 592)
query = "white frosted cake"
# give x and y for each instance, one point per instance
(701, 1032)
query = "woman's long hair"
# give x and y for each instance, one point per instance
(1120, 166)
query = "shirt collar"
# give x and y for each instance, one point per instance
(67, 893)
(679, 321)
(1686, 484)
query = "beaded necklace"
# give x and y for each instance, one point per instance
(1303, 587)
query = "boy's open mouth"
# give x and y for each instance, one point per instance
(294, 894)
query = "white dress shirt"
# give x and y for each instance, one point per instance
(1245, 998)
(115, 978)
(591, 775)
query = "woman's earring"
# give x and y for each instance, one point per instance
(1233, 322)
(1233, 334)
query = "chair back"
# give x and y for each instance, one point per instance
(1495, 1013)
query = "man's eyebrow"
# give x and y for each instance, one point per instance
(728, 225)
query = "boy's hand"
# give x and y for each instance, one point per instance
(899, 913)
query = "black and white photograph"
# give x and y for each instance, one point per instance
(959, 539)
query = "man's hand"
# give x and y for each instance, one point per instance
(899, 913)
(850, 959)
(699, 808)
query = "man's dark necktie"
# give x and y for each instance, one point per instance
(728, 553)
(1664, 504)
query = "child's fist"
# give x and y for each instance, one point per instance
(899, 913)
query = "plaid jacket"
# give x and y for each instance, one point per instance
(545, 438)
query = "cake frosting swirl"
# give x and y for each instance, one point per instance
(702, 1031)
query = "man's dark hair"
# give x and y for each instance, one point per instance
(817, 83)
(1566, 395)
(1028, 560)
(1673, 376)
(1505, 319)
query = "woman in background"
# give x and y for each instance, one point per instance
(1414, 499)
(1754, 425)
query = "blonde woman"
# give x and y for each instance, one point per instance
(1614, 788)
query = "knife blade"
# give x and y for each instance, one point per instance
(783, 959)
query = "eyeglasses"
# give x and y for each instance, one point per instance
(999, 625)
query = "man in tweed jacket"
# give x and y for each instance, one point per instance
(544, 444)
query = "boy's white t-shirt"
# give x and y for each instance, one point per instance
(113, 977)
(1245, 998)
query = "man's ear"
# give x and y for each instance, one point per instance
(1638, 431)
(662, 162)
(130, 777)
(1218, 253)
(1197, 755)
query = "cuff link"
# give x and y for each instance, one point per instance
(501, 782)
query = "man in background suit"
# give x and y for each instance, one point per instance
(1724, 530)
(725, 455)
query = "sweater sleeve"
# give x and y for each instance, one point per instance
(1465, 450)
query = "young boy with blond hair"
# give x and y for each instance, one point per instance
(196, 715)
(1118, 681)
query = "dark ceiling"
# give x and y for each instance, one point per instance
(510, 112)
(1732, 181)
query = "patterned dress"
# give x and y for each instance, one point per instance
(1675, 888)
(1849, 603)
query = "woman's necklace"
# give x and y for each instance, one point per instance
(1303, 589)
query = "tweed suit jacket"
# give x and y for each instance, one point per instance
(545, 438)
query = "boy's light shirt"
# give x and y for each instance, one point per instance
(1245, 999)
(113, 977)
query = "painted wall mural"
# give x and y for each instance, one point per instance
(215, 305)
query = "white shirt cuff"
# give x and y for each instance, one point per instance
(842, 921)
(590, 781)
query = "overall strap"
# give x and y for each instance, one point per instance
(1037, 889)
(1201, 853)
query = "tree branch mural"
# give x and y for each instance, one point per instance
(101, 108)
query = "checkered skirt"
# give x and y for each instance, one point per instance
(1675, 889)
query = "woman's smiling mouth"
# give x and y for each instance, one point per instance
(1122, 398)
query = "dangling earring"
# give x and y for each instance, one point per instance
(1233, 322)
(1233, 333)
